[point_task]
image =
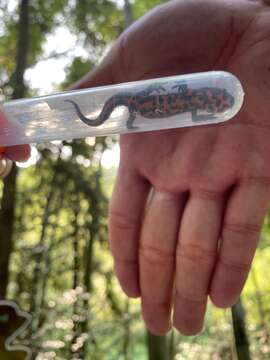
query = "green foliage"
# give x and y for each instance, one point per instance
(76, 70)
(140, 7)
(44, 17)
(98, 21)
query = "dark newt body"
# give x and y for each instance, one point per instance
(152, 104)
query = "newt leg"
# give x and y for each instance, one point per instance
(132, 117)
(181, 87)
(154, 88)
(195, 117)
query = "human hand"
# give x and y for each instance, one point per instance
(188, 204)
(11, 153)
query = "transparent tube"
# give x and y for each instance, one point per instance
(163, 103)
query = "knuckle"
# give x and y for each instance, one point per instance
(125, 261)
(163, 306)
(165, 196)
(188, 298)
(257, 180)
(244, 229)
(195, 253)
(121, 220)
(237, 267)
(207, 194)
(156, 256)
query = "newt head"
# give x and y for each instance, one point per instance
(213, 100)
(220, 99)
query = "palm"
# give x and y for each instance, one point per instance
(198, 185)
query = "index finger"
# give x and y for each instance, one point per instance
(126, 212)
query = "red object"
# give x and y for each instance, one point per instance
(3, 121)
(14, 153)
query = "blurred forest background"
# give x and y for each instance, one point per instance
(54, 257)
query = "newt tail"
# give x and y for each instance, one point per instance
(110, 105)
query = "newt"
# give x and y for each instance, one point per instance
(158, 102)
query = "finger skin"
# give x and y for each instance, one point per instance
(125, 216)
(195, 259)
(240, 235)
(157, 259)
(15, 153)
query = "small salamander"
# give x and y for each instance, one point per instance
(158, 102)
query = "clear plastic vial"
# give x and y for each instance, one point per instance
(148, 105)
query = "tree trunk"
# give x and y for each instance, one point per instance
(39, 272)
(75, 245)
(172, 352)
(157, 347)
(111, 296)
(239, 329)
(48, 250)
(261, 309)
(22, 51)
(88, 266)
(128, 12)
(127, 335)
(76, 270)
(7, 212)
(6, 229)
(88, 261)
